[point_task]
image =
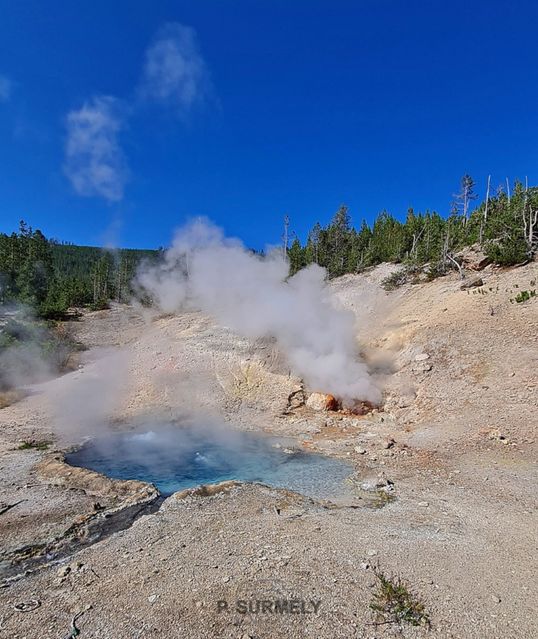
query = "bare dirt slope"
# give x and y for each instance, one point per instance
(457, 437)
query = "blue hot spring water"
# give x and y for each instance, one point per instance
(175, 458)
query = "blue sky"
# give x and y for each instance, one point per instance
(120, 120)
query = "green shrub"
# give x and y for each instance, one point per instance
(435, 270)
(395, 280)
(34, 445)
(100, 305)
(507, 252)
(395, 603)
(524, 296)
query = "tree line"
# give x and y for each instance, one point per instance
(52, 277)
(505, 225)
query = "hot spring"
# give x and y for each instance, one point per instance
(174, 458)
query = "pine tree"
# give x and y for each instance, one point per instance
(312, 244)
(296, 257)
(338, 241)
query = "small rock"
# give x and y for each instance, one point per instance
(372, 553)
(153, 598)
(496, 598)
(364, 565)
(406, 401)
(296, 399)
(472, 283)
(421, 368)
(496, 435)
(421, 357)
(360, 450)
(388, 443)
(423, 504)
(64, 571)
(27, 606)
(378, 483)
(322, 401)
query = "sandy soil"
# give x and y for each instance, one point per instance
(457, 436)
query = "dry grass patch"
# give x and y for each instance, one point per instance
(395, 603)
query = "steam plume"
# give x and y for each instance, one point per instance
(254, 296)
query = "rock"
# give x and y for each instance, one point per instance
(377, 483)
(473, 258)
(322, 401)
(362, 408)
(360, 450)
(64, 571)
(388, 443)
(368, 484)
(364, 565)
(27, 606)
(472, 282)
(423, 504)
(496, 435)
(153, 598)
(384, 482)
(421, 357)
(421, 367)
(296, 399)
(406, 401)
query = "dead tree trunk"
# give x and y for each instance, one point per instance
(530, 220)
(458, 266)
(416, 238)
(285, 236)
(485, 218)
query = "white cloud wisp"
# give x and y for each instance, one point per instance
(94, 161)
(175, 74)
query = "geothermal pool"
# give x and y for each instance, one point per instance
(175, 458)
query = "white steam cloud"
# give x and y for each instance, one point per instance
(30, 353)
(94, 161)
(254, 296)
